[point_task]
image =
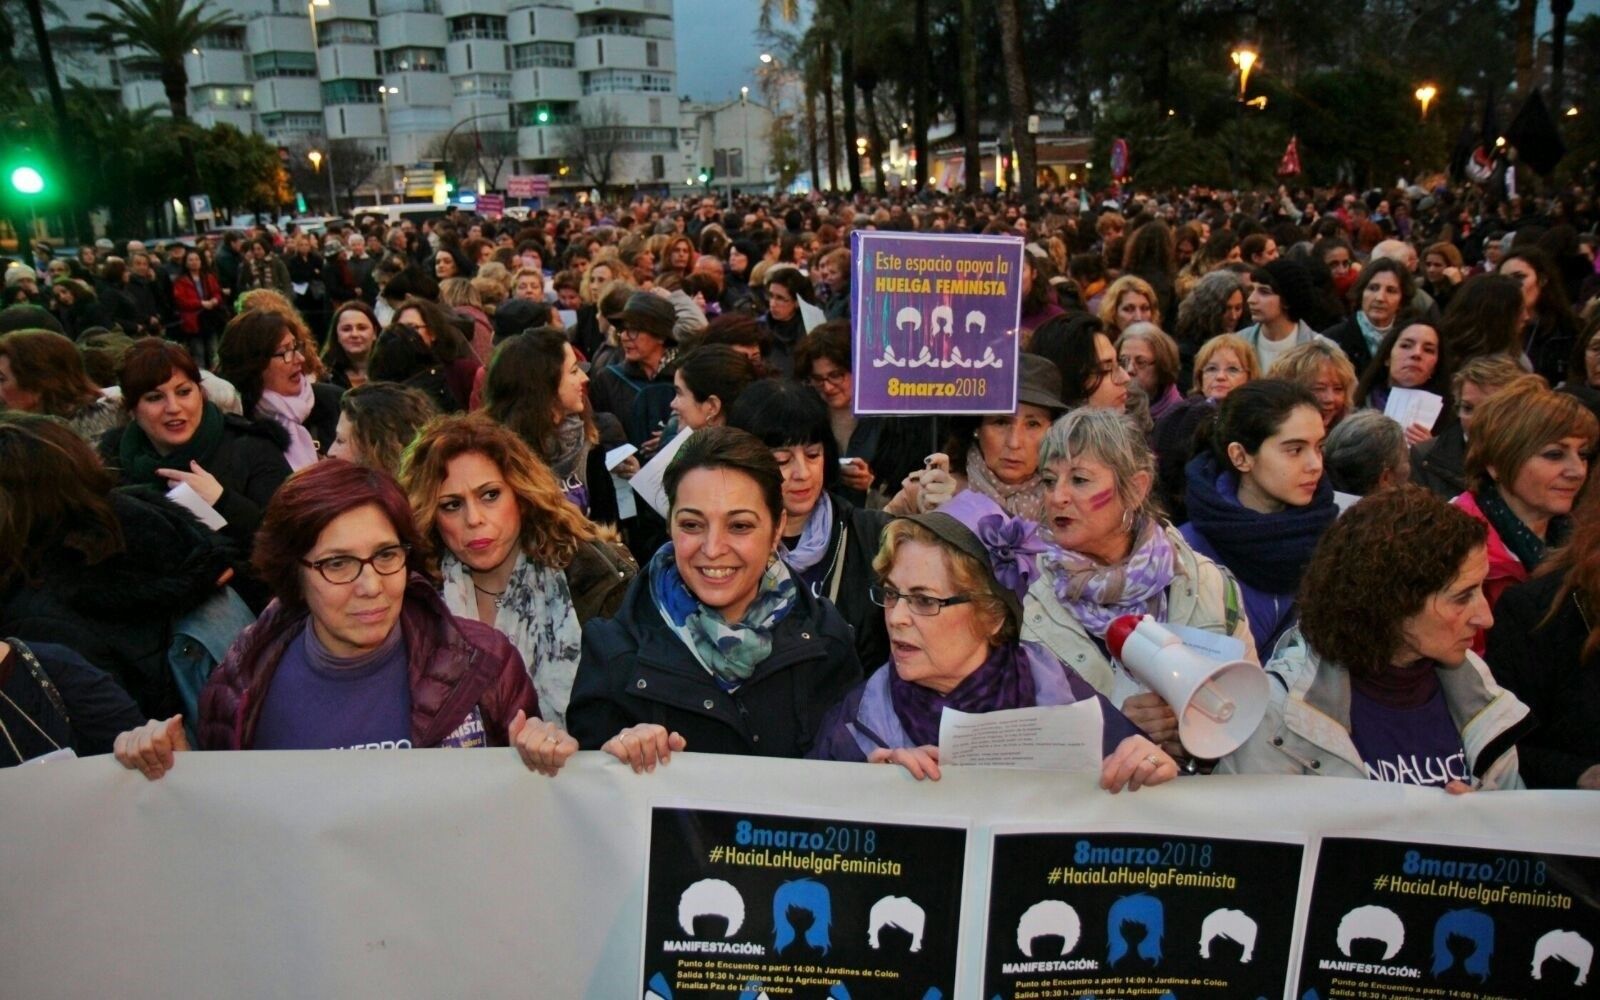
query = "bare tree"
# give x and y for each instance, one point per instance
(474, 154)
(353, 163)
(593, 145)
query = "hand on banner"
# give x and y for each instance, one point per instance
(199, 480)
(1458, 788)
(151, 748)
(922, 762)
(543, 746)
(1589, 780)
(1136, 763)
(1150, 712)
(856, 473)
(641, 747)
(937, 485)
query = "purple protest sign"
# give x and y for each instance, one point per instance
(935, 320)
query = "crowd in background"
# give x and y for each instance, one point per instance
(420, 534)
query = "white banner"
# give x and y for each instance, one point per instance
(444, 874)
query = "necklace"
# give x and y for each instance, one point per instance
(499, 596)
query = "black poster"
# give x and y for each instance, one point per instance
(1393, 919)
(1113, 916)
(759, 907)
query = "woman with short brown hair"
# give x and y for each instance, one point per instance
(42, 372)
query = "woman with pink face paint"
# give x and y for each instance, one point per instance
(1117, 555)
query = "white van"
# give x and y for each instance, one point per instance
(416, 212)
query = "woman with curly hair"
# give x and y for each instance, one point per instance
(1221, 247)
(505, 532)
(1379, 680)
(1211, 309)
(376, 423)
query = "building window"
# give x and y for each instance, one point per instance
(658, 167)
(414, 60)
(552, 54)
(600, 51)
(652, 54)
(655, 111)
(407, 7)
(476, 26)
(483, 85)
(349, 92)
(729, 162)
(533, 23)
(267, 65)
(343, 32)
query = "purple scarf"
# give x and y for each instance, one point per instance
(1004, 681)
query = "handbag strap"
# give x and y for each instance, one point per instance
(42, 678)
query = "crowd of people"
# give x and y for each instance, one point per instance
(360, 488)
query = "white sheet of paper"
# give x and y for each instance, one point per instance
(569, 317)
(647, 482)
(1224, 648)
(300, 287)
(616, 456)
(1051, 738)
(184, 496)
(1413, 406)
(626, 505)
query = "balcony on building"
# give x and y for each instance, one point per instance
(404, 23)
(353, 121)
(655, 8)
(528, 22)
(287, 95)
(278, 32)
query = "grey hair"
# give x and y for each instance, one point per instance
(1360, 449)
(1110, 437)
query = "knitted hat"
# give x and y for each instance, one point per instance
(649, 313)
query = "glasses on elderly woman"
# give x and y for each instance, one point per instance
(1232, 371)
(386, 561)
(886, 597)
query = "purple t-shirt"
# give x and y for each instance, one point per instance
(1411, 739)
(319, 701)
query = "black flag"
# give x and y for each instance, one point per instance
(1534, 135)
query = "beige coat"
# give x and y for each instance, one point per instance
(1198, 597)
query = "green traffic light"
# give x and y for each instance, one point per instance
(27, 180)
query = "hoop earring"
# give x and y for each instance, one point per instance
(1127, 519)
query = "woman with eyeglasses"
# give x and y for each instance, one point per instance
(1222, 364)
(357, 649)
(788, 294)
(876, 448)
(262, 356)
(951, 585)
(1150, 358)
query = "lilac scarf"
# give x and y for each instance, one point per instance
(1004, 681)
(290, 413)
(1098, 595)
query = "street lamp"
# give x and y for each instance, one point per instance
(1425, 95)
(766, 57)
(1245, 59)
(316, 158)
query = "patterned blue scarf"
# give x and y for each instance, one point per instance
(814, 537)
(729, 651)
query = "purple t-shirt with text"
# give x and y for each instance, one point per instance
(1412, 746)
(319, 701)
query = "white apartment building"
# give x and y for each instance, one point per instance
(399, 75)
(734, 138)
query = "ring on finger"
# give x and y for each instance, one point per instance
(1153, 760)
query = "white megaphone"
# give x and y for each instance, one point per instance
(1218, 705)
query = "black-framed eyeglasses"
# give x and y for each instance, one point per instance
(287, 353)
(924, 605)
(387, 561)
(832, 378)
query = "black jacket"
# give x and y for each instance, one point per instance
(634, 669)
(1439, 463)
(848, 563)
(323, 422)
(1543, 665)
(117, 613)
(97, 708)
(1347, 334)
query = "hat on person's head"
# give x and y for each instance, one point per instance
(16, 274)
(614, 301)
(1008, 547)
(1291, 282)
(1039, 382)
(104, 245)
(26, 317)
(332, 245)
(649, 313)
(514, 316)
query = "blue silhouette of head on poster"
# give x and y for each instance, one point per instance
(1140, 910)
(808, 896)
(1454, 931)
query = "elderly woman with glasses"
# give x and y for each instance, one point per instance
(1117, 556)
(358, 649)
(951, 585)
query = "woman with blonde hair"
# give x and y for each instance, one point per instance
(464, 300)
(1129, 300)
(1320, 366)
(505, 533)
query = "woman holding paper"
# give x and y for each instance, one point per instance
(505, 534)
(536, 387)
(1411, 356)
(178, 437)
(1526, 461)
(1117, 556)
(357, 650)
(716, 647)
(1378, 681)
(951, 584)
(828, 542)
